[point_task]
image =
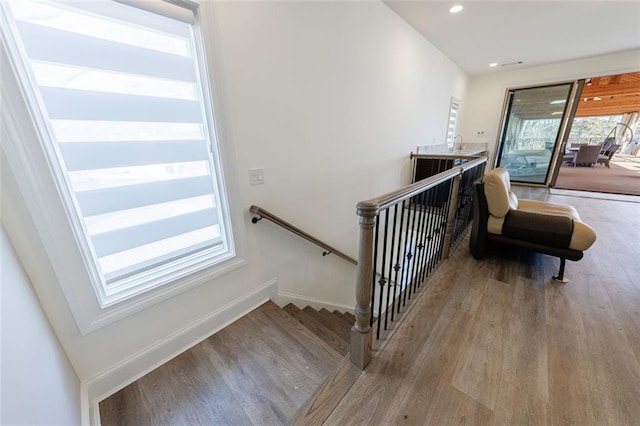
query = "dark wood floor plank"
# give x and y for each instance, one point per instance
(525, 357)
(259, 370)
(247, 378)
(452, 407)
(481, 371)
(495, 342)
(519, 406)
(304, 339)
(395, 375)
(341, 325)
(318, 328)
(570, 401)
(349, 316)
(557, 366)
(323, 402)
(328, 320)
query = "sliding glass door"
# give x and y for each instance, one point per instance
(532, 126)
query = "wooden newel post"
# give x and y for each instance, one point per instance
(361, 332)
(451, 216)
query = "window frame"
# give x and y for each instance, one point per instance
(453, 104)
(40, 181)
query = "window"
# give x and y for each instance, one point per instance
(129, 130)
(452, 124)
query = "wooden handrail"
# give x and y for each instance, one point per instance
(374, 205)
(264, 214)
(452, 156)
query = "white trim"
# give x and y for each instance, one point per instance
(137, 365)
(145, 300)
(283, 298)
(181, 10)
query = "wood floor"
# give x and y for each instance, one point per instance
(497, 342)
(259, 370)
(492, 342)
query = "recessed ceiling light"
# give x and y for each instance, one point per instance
(556, 113)
(493, 64)
(455, 9)
(597, 98)
(558, 101)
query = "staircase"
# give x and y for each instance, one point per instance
(332, 327)
(261, 369)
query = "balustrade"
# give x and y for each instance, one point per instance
(404, 235)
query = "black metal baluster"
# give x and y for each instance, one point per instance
(427, 238)
(407, 255)
(382, 279)
(391, 283)
(391, 266)
(435, 224)
(398, 266)
(447, 188)
(436, 228)
(459, 209)
(432, 195)
(476, 175)
(468, 200)
(375, 267)
(412, 249)
(423, 237)
(418, 236)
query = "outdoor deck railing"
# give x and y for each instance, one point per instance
(404, 235)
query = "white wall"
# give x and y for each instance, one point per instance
(38, 384)
(485, 96)
(330, 98)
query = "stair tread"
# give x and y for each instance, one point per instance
(299, 330)
(224, 378)
(350, 317)
(318, 328)
(338, 315)
(339, 319)
(328, 320)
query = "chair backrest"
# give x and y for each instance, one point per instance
(612, 150)
(607, 144)
(497, 190)
(588, 154)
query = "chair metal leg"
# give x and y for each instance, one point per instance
(560, 278)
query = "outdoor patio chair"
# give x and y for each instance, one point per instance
(587, 155)
(606, 157)
(607, 144)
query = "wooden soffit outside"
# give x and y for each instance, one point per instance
(611, 95)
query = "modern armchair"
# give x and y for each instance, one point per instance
(500, 218)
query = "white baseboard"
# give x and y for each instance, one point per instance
(282, 299)
(132, 368)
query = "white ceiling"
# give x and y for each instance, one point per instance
(534, 32)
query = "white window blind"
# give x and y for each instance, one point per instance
(453, 122)
(128, 117)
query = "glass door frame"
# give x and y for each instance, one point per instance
(563, 133)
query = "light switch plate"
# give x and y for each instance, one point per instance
(256, 176)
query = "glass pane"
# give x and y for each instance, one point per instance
(531, 131)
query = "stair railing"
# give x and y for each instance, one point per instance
(260, 213)
(404, 235)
